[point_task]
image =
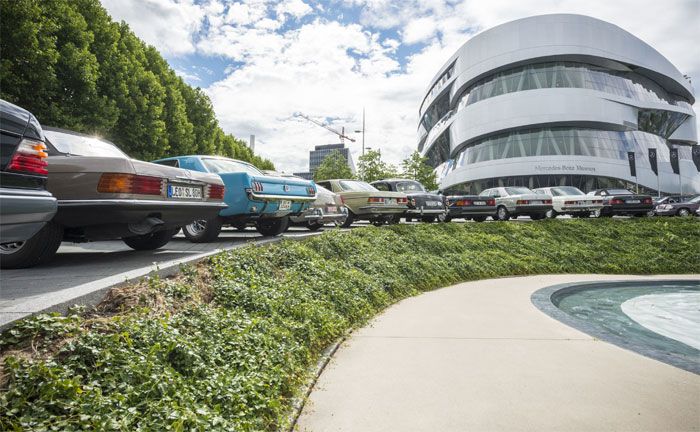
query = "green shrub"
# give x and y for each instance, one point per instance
(227, 345)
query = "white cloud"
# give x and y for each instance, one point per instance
(295, 8)
(168, 25)
(329, 69)
(187, 76)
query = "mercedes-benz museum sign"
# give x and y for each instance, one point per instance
(559, 100)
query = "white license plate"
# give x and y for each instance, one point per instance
(479, 203)
(184, 192)
(285, 205)
(432, 203)
(633, 201)
(331, 209)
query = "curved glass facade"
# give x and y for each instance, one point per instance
(570, 75)
(562, 141)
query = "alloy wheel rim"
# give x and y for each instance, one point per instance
(683, 212)
(10, 248)
(501, 213)
(197, 227)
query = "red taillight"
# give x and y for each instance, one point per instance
(216, 191)
(30, 157)
(462, 203)
(522, 202)
(130, 183)
(616, 201)
(401, 200)
(257, 186)
(547, 201)
(491, 202)
(342, 199)
(647, 201)
(310, 190)
(375, 200)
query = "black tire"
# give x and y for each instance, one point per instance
(240, 227)
(393, 220)
(538, 216)
(409, 219)
(428, 219)
(479, 218)
(378, 222)
(502, 213)
(448, 218)
(551, 214)
(150, 241)
(683, 212)
(272, 227)
(203, 231)
(348, 220)
(314, 226)
(37, 250)
(601, 213)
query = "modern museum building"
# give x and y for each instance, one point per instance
(560, 100)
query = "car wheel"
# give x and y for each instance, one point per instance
(428, 219)
(349, 219)
(240, 227)
(37, 250)
(551, 214)
(538, 216)
(272, 227)
(377, 222)
(601, 213)
(442, 217)
(502, 213)
(314, 226)
(393, 220)
(479, 218)
(203, 231)
(683, 212)
(409, 219)
(150, 241)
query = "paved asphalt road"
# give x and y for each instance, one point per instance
(101, 263)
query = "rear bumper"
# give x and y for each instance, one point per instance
(319, 217)
(81, 213)
(423, 211)
(626, 210)
(579, 209)
(457, 212)
(531, 209)
(376, 210)
(24, 212)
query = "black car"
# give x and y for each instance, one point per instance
(422, 204)
(678, 207)
(25, 205)
(468, 207)
(622, 202)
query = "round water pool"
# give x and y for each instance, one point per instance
(659, 319)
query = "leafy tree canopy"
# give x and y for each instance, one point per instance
(68, 63)
(333, 166)
(416, 167)
(370, 167)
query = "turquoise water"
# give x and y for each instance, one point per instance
(599, 306)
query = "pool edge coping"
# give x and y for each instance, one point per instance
(542, 299)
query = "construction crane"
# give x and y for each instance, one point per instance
(340, 134)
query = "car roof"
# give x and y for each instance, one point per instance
(205, 157)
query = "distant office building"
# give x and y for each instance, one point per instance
(317, 155)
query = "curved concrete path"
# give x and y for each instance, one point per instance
(480, 357)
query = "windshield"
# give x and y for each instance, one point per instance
(518, 191)
(352, 185)
(566, 190)
(79, 145)
(619, 192)
(219, 166)
(409, 186)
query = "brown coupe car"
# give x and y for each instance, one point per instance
(103, 194)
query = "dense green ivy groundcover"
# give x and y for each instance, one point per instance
(228, 344)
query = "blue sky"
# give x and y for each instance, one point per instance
(261, 61)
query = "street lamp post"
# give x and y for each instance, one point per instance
(363, 131)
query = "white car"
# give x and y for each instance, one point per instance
(512, 202)
(570, 200)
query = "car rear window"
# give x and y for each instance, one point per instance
(619, 192)
(517, 191)
(566, 190)
(219, 166)
(352, 185)
(80, 145)
(411, 186)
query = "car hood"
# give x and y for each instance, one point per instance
(174, 174)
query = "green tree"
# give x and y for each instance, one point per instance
(416, 167)
(370, 167)
(68, 63)
(333, 166)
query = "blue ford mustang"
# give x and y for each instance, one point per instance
(251, 196)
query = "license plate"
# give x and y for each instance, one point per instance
(285, 205)
(331, 209)
(184, 192)
(633, 201)
(432, 203)
(479, 203)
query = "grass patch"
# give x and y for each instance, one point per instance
(227, 344)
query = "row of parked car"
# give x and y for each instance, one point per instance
(57, 185)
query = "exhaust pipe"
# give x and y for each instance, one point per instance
(145, 226)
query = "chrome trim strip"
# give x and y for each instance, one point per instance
(140, 203)
(268, 197)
